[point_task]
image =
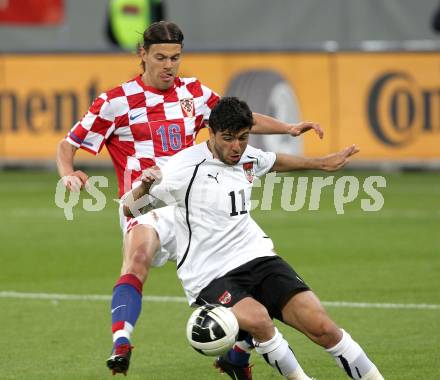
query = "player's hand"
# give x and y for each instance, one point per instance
(151, 176)
(304, 126)
(338, 160)
(75, 181)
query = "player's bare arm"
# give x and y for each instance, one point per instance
(130, 202)
(331, 162)
(264, 124)
(73, 179)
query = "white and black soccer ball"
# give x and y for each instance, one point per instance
(212, 330)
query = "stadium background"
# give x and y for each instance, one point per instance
(368, 71)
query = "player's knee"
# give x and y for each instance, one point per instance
(137, 249)
(327, 333)
(260, 325)
(141, 257)
(138, 261)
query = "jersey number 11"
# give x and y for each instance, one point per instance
(233, 204)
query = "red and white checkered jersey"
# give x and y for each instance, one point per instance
(143, 126)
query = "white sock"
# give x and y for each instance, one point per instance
(279, 355)
(352, 359)
(374, 374)
(298, 374)
(124, 332)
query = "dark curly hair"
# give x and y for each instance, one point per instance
(231, 114)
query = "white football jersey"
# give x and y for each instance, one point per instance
(214, 230)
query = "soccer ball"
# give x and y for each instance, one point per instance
(212, 330)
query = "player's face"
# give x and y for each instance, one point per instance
(161, 65)
(227, 146)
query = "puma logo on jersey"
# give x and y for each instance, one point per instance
(211, 176)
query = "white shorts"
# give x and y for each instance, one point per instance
(162, 220)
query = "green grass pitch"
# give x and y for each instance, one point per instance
(387, 257)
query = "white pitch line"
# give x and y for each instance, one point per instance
(81, 297)
(101, 297)
(367, 305)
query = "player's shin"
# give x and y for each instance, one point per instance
(279, 355)
(353, 360)
(125, 308)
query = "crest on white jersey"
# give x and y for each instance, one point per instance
(187, 106)
(248, 168)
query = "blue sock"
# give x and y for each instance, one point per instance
(126, 307)
(239, 354)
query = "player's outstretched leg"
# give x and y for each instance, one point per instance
(235, 362)
(140, 246)
(279, 355)
(253, 317)
(305, 312)
(353, 360)
(126, 307)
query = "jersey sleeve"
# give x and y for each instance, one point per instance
(210, 99)
(264, 160)
(92, 131)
